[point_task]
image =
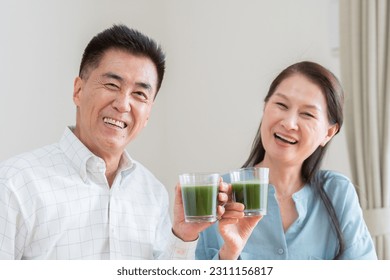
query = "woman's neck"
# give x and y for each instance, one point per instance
(286, 179)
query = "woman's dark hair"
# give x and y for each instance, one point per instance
(123, 38)
(334, 96)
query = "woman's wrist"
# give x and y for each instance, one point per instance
(227, 254)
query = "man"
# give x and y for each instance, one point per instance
(84, 197)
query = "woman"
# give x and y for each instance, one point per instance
(312, 214)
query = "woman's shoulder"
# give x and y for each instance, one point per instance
(333, 178)
(338, 186)
(333, 174)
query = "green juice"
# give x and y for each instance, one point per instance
(253, 195)
(200, 202)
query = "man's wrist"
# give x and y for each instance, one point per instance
(186, 238)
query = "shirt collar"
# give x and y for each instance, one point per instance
(82, 159)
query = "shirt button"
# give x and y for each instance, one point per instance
(280, 251)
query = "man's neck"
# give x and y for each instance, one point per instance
(112, 166)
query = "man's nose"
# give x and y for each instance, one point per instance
(122, 103)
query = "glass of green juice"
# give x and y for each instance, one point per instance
(199, 192)
(250, 187)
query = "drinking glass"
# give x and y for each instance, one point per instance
(250, 187)
(199, 193)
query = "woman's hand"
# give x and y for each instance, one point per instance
(235, 229)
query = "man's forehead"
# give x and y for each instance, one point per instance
(124, 64)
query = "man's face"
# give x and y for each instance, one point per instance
(114, 101)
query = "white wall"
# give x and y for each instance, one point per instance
(221, 57)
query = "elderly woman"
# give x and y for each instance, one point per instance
(312, 213)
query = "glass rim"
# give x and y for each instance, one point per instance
(248, 168)
(200, 174)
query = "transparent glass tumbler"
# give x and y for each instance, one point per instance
(199, 192)
(250, 187)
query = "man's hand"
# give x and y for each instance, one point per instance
(190, 231)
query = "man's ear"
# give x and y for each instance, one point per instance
(332, 130)
(77, 88)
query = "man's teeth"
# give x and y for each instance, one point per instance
(286, 139)
(114, 122)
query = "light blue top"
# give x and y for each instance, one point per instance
(311, 236)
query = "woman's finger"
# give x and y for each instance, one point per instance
(234, 206)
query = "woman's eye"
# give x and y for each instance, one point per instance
(308, 115)
(281, 105)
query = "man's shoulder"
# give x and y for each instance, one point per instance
(143, 172)
(42, 157)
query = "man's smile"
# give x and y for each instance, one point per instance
(113, 122)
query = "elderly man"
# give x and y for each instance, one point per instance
(85, 197)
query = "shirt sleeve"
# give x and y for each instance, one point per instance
(358, 241)
(12, 227)
(168, 246)
(178, 249)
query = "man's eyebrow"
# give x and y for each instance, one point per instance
(143, 85)
(146, 86)
(112, 76)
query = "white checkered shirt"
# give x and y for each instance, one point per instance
(55, 203)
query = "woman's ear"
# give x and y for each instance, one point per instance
(332, 130)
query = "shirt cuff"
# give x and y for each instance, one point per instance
(181, 250)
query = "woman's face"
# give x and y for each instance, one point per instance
(295, 121)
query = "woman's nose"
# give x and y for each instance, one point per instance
(290, 122)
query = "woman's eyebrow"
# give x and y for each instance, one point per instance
(281, 95)
(308, 106)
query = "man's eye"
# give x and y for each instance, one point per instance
(141, 95)
(111, 86)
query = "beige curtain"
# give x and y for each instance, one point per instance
(365, 75)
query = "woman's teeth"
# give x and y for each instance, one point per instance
(286, 139)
